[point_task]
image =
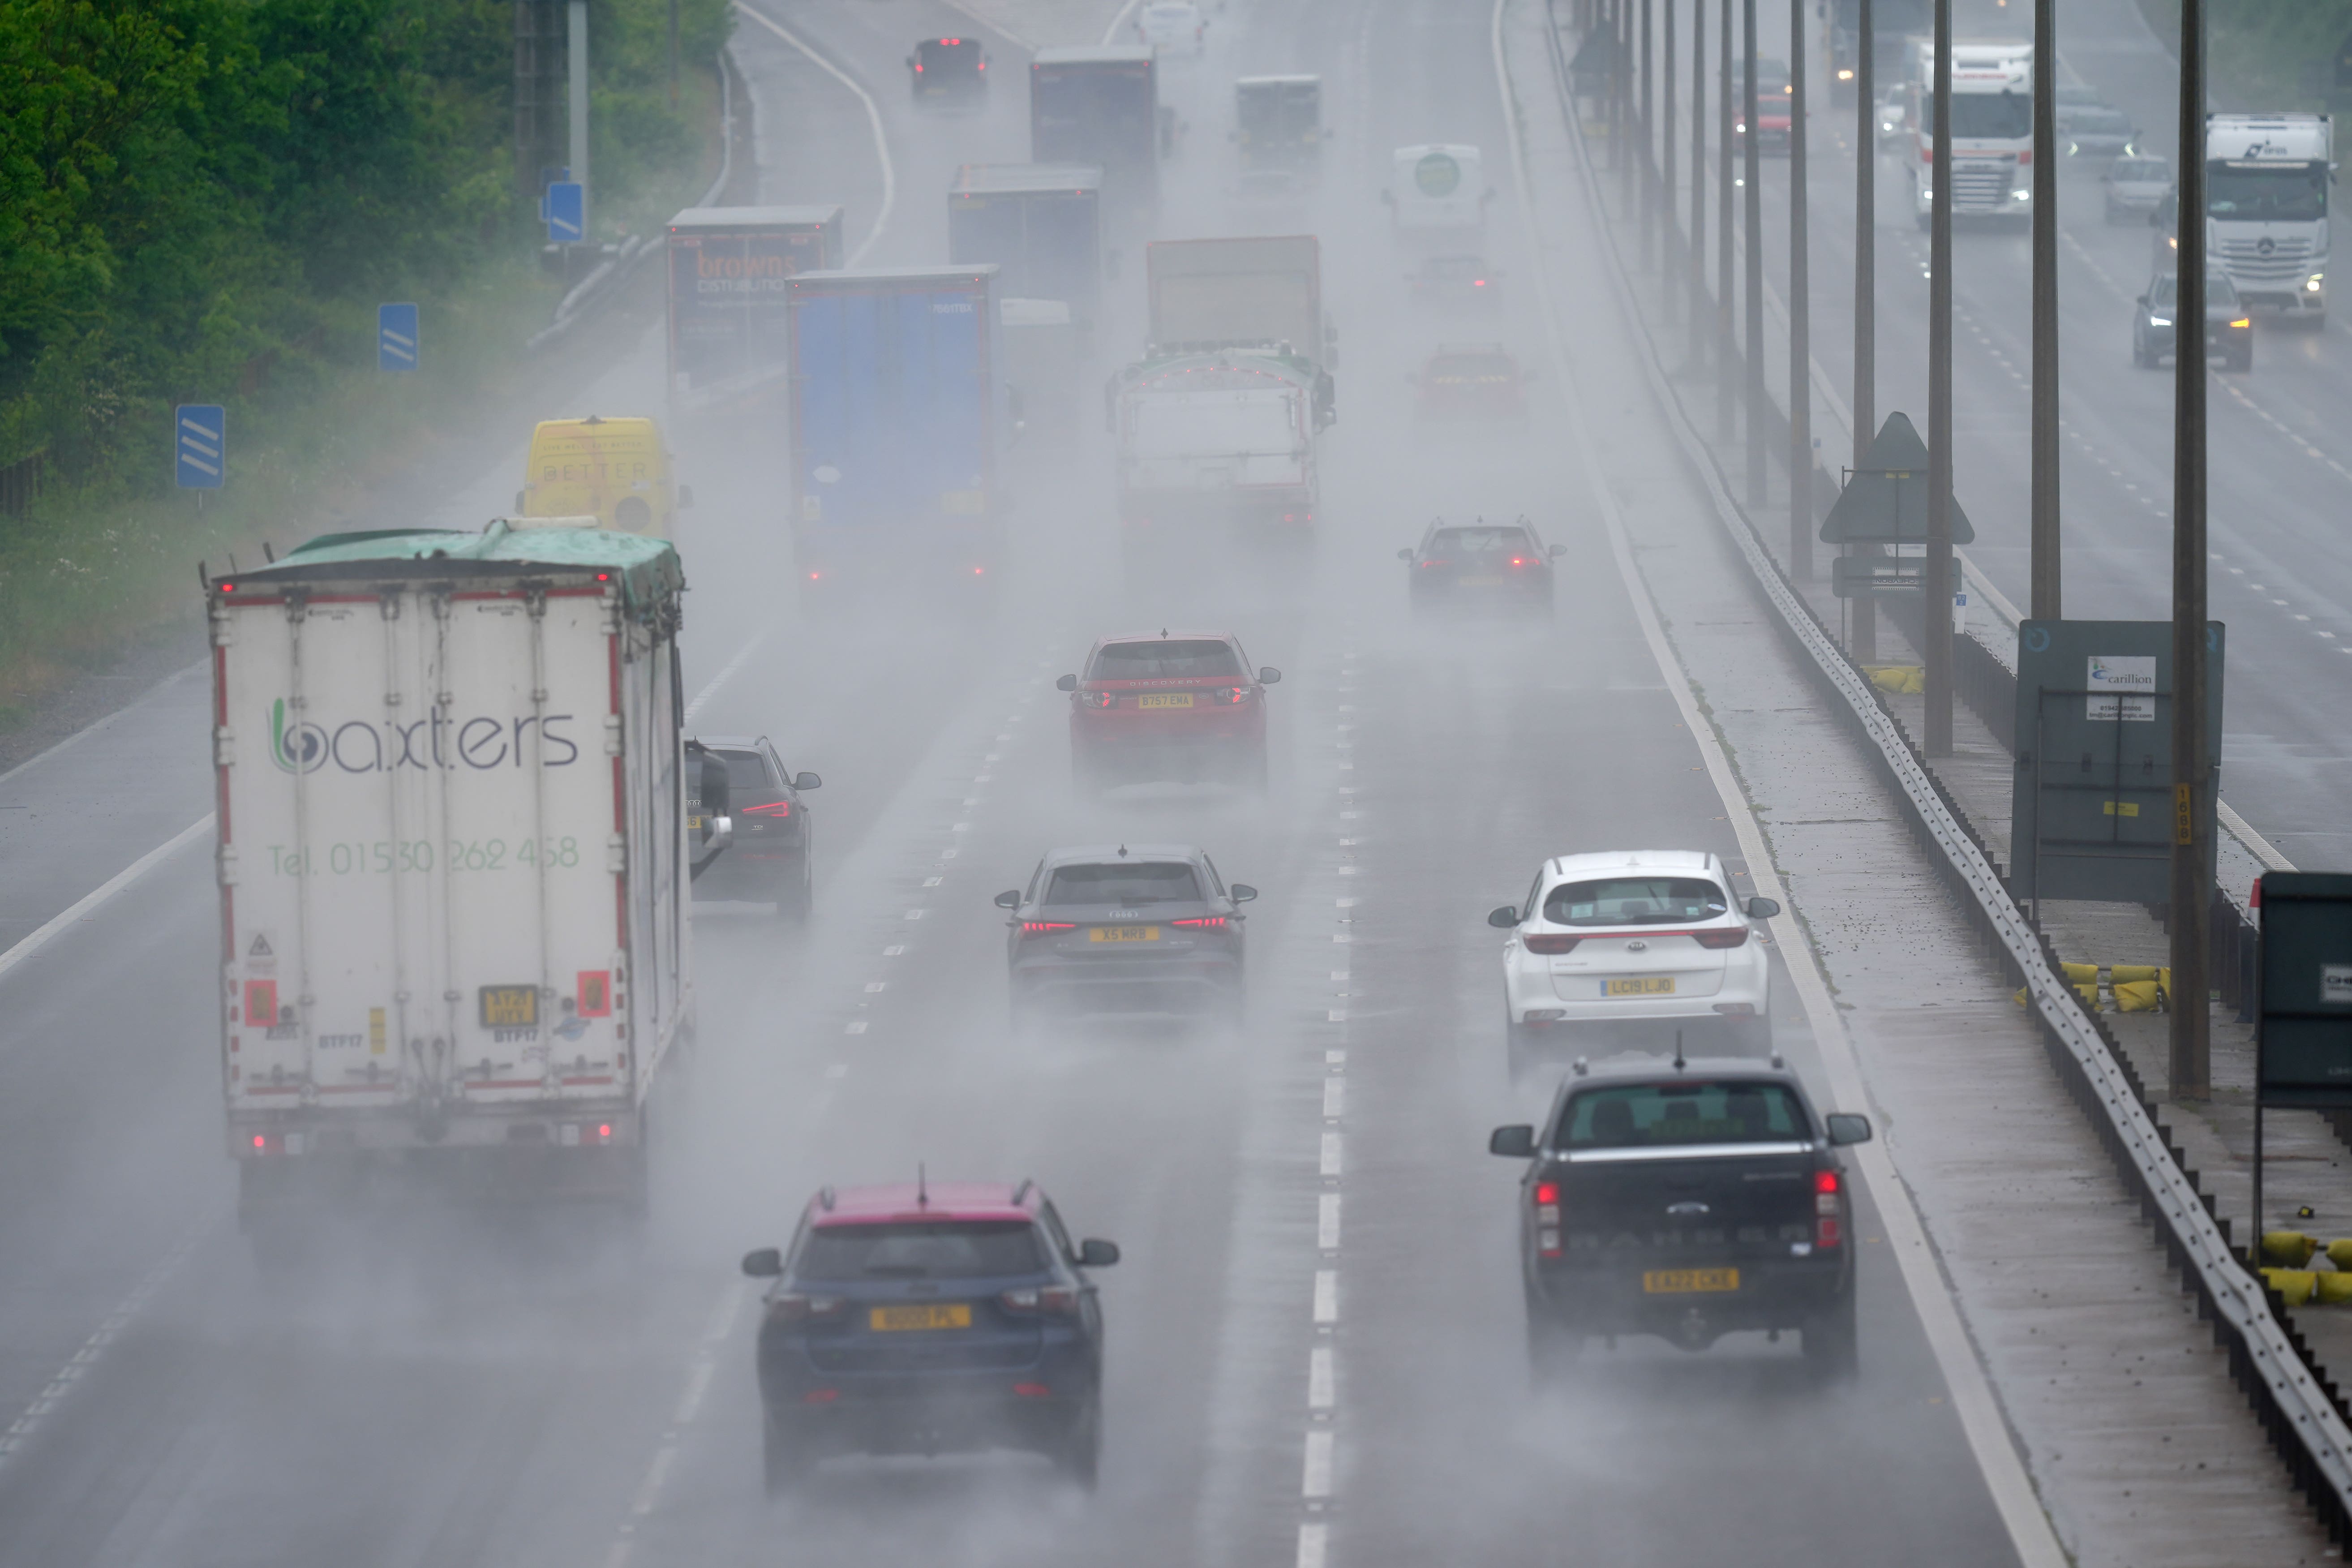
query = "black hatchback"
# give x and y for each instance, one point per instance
(1481, 566)
(1126, 929)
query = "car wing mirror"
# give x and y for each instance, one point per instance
(1845, 1129)
(2143, 301)
(1517, 1142)
(1009, 900)
(1505, 917)
(1067, 683)
(1406, 553)
(807, 781)
(1556, 550)
(1096, 1253)
(767, 1263)
(1269, 676)
(1242, 893)
(1763, 908)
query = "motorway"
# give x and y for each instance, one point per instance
(452, 1390)
(2278, 460)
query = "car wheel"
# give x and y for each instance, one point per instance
(786, 1458)
(1831, 1346)
(1079, 1455)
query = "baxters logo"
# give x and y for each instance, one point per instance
(298, 751)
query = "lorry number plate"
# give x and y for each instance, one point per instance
(509, 1006)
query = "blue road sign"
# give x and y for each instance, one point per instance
(199, 445)
(396, 337)
(567, 212)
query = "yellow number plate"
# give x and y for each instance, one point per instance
(1166, 700)
(509, 1006)
(694, 825)
(1123, 933)
(893, 1319)
(1682, 1281)
(1662, 986)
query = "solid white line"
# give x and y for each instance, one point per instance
(1973, 1400)
(726, 672)
(873, 118)
(90, 902)
(1313, 1545)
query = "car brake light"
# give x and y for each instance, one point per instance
(1547, 1196)
(820, 1397)
(1099, 699)
(794, 1307)
(918, 68)
(1552, 944)
(1203, 921)
(1731, 938)
(1827, 1231)
(1032, 1391)
(1041, 928)
(773, 809)
(1057, 1300)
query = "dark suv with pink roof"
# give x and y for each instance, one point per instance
(922, 1318)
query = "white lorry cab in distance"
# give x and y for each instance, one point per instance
(2266, 182)
(1993, 130)
(453, 865)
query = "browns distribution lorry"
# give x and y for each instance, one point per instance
(453, 860)
(728, 268)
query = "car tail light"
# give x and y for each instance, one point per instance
(1552, 944)
(1730, 938)
(1427, 564)
(918, 68)
(776, 808)
(1047, 1300)
(1227, 694)
(794, 1307)
(1045, 928)
(1828, 1230)
(1203, 921)
(1519, 561)
(1098, 699)
(1032, 1391)
(820, 1397)
(1547, 1196)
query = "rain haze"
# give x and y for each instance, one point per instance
(1182, 837)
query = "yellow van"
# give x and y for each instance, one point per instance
(617, 470)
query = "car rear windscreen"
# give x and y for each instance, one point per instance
(922, 1249)
(1124, 883)
(1665, 1115)
(949, 56)
(1479, 542)
(1634, 901)
(747, 774)
(1201, 659)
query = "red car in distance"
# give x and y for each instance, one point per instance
(1175, 707)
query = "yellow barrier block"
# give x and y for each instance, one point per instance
(2339, 1253)
(2133, 973)
(2295, 1286)
(2290, 1248)
(1903, 680)
(2138, 996)
(2333, 1289)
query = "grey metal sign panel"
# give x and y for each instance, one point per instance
(1885, 499)
(2304, 1028)
(2091, 806)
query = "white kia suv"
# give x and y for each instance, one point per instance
(1636, 946)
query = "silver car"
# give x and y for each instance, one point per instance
(2136, 185)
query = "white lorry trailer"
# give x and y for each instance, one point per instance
(1217, 439)
(452, 863)
(1992, 130)
(2266, 179)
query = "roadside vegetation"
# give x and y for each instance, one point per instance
(2266, 54)
(204, 201)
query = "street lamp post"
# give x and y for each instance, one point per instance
(1866, 289)
(2191, 893)
(1698, 182)
(1726, 358)
(1936, 617)
(1800, 316)
(1752, 210)
(2045, 596)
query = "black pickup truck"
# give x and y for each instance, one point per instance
(1688, 1200)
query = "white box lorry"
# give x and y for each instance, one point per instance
(452, 863)
(2266, 180)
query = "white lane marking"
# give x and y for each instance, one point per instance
(78, 1366)
(1335, 1099)
(1337, 1016)
(1973, 1400)
(914, 914)
(1320, 1384)
(1327, 1296)
(1315, 1474)
(873, 985)
(726, 673)
(873, 119)
(698, 1375)
(1331, 1154)
(89, 902)
(1118, 21)
(855, 1027)
(1327, 1222)
(895, 950)
(1313, 1545)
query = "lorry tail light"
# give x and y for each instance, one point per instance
(1550, 943)
(1732, 937)
(820, 1397)
(775, 808)
(1045, 928)
(261, 1143)
(1032, 1391)
(604, 1132)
